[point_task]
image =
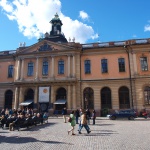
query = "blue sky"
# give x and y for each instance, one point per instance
(88, 21)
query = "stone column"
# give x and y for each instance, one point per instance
(16, 98)
(18, 70)
(36, 95)
(134, 63)
(37, 68)
(53, 68)
(52, 94)
(68, 65)
(21, 98)
(74, 100)
(73, 65)
(69, 97)
(22, 69)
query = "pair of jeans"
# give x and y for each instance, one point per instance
(77, 120)
(85, 126)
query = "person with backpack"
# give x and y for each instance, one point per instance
(72, 123)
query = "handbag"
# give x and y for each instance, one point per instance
(69, 119)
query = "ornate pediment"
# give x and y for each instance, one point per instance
(45, 47)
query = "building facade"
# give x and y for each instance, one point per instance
(54, 73)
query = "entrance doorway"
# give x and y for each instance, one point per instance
(8, 99)
(61, 98)
(29, 96)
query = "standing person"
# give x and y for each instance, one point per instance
(77, 114)
(80, 114)
(64, 113)
(88, 115)
(72, 123)
(84, 123)
(93, 116)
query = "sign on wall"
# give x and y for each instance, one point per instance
(44, 94)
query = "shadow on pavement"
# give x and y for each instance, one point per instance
(19, 140)
(38, 127)
(103, 124)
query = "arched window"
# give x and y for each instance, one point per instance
(88, 98)
(8, 99)
(147, 95)
(29, 95)
(124, 100)
(106, 98)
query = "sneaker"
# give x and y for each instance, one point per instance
(80, 132)
(88, 132)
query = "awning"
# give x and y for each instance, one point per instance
(60, 101)
(26, 103)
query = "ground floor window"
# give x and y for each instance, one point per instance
(88, 94)
(124, 100)
(106, 98)
(147, 95)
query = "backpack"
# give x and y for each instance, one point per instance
(69, 119)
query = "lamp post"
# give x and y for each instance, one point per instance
(126, 47)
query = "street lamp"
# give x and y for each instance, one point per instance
(126, 47)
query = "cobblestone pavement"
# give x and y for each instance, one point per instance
(105, 135)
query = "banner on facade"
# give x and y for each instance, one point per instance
(44, 94)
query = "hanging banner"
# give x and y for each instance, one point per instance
(44, 94)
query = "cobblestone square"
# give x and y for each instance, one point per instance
(105, 135)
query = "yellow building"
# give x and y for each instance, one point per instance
(54, 73)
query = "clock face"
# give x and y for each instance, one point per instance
(45, 90)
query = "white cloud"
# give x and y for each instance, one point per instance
(147, 28)
(134, 36)
(33, 19)
(83, 15)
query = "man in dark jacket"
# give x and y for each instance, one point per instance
(64, 113)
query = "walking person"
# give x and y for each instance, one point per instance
(84, 123)
(64, 113)
(80, 114)
(72, 123)
(77, 114)
(93, 116)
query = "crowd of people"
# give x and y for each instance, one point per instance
(82, 118)
(10, 118)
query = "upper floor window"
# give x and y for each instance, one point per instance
(87, 66)
(144, 65)
(45, 68)
(104, 66)
(30, 69)
(61, 67)
(147, 95)
(121, 63)
(10, 71)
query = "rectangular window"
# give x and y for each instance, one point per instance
(10, 71)
(87, 66)
(121, 63)
(104, 66)
(144, 65)
(45, 68)
(30, 69)
(61, 67)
